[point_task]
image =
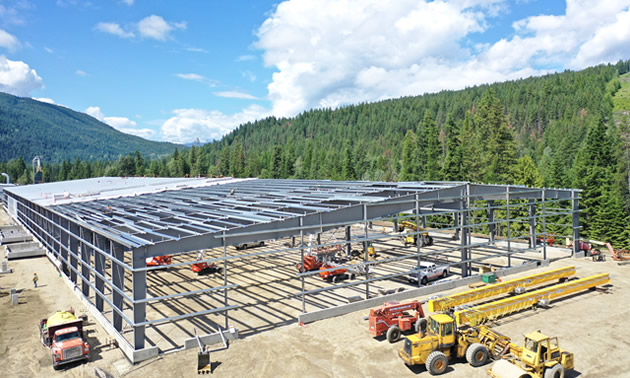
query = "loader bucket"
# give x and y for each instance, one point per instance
(505, 369)
(203, 363)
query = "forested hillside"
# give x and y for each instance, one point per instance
(30, 128)
(569, 129)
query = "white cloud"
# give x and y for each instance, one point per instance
(249, 75)
(327, 53)
(128, 2)
(81, 73)
(157, 28)
(196, 49)
(114, 29)
(610, 42)
(245, 58)
(191, 76)
(121, 124)
(189, 124)
(235, 94)
(17, 78)
(49, 50)
(8, 41)
(44, 99)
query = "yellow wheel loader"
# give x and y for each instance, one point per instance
(442, 341)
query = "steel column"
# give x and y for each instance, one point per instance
(99, 266)
(576, 222)
(532, 223)
(86, 254)
(118, 279)
(139, 283)
(348, 240)
(491, 225)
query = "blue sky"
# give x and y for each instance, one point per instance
(181, 70)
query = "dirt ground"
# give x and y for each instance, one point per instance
(589, 324)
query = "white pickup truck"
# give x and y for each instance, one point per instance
(427, 271)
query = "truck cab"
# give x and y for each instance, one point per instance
(427, 271)
(67, 346)
(62, 332)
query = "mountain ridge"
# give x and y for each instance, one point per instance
(30, 128)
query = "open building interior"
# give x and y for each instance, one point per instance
(101, 232)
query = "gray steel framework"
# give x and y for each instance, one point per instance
(100, 238)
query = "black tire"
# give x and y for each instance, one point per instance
(444, 274)
(55, 366)
(556, 371)
(334, 279)
(424, 281)
(437, 362)
(476, 354)
(393, 334)
(421, 325)
(353, 276)
(429, 241)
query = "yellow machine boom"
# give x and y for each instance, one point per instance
(479, 294)
(479, 314)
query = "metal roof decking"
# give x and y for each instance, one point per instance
(146, 211)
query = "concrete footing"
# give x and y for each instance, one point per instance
(213, 338)
(4, 269)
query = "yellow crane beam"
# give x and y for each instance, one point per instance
(482, 293)
(479, 314)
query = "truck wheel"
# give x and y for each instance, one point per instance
(444, 274)
(55, 366)
(476, 354)
(429, 241)
(393, 334)
(437, 362)
(424, 281)
(421, 325)
(557, 371)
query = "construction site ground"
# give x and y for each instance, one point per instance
(590, 324)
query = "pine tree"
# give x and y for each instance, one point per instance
(276, 162)
(432, 154)
(453, 161)
(409, 156)
(526, 173)
(496, 140)
(347, 171)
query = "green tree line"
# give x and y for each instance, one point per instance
(558, 130)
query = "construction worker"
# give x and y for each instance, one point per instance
(35, 279)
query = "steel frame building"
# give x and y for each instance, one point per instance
(100, 231)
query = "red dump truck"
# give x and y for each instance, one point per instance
(62, 332)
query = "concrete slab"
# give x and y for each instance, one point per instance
(14, 234)
(21, 250)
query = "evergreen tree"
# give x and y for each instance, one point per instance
(432, 154)
(495, 137)
(453, 161)
(276, 162)
(526, 173)
(347, 172)
(409, 156)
